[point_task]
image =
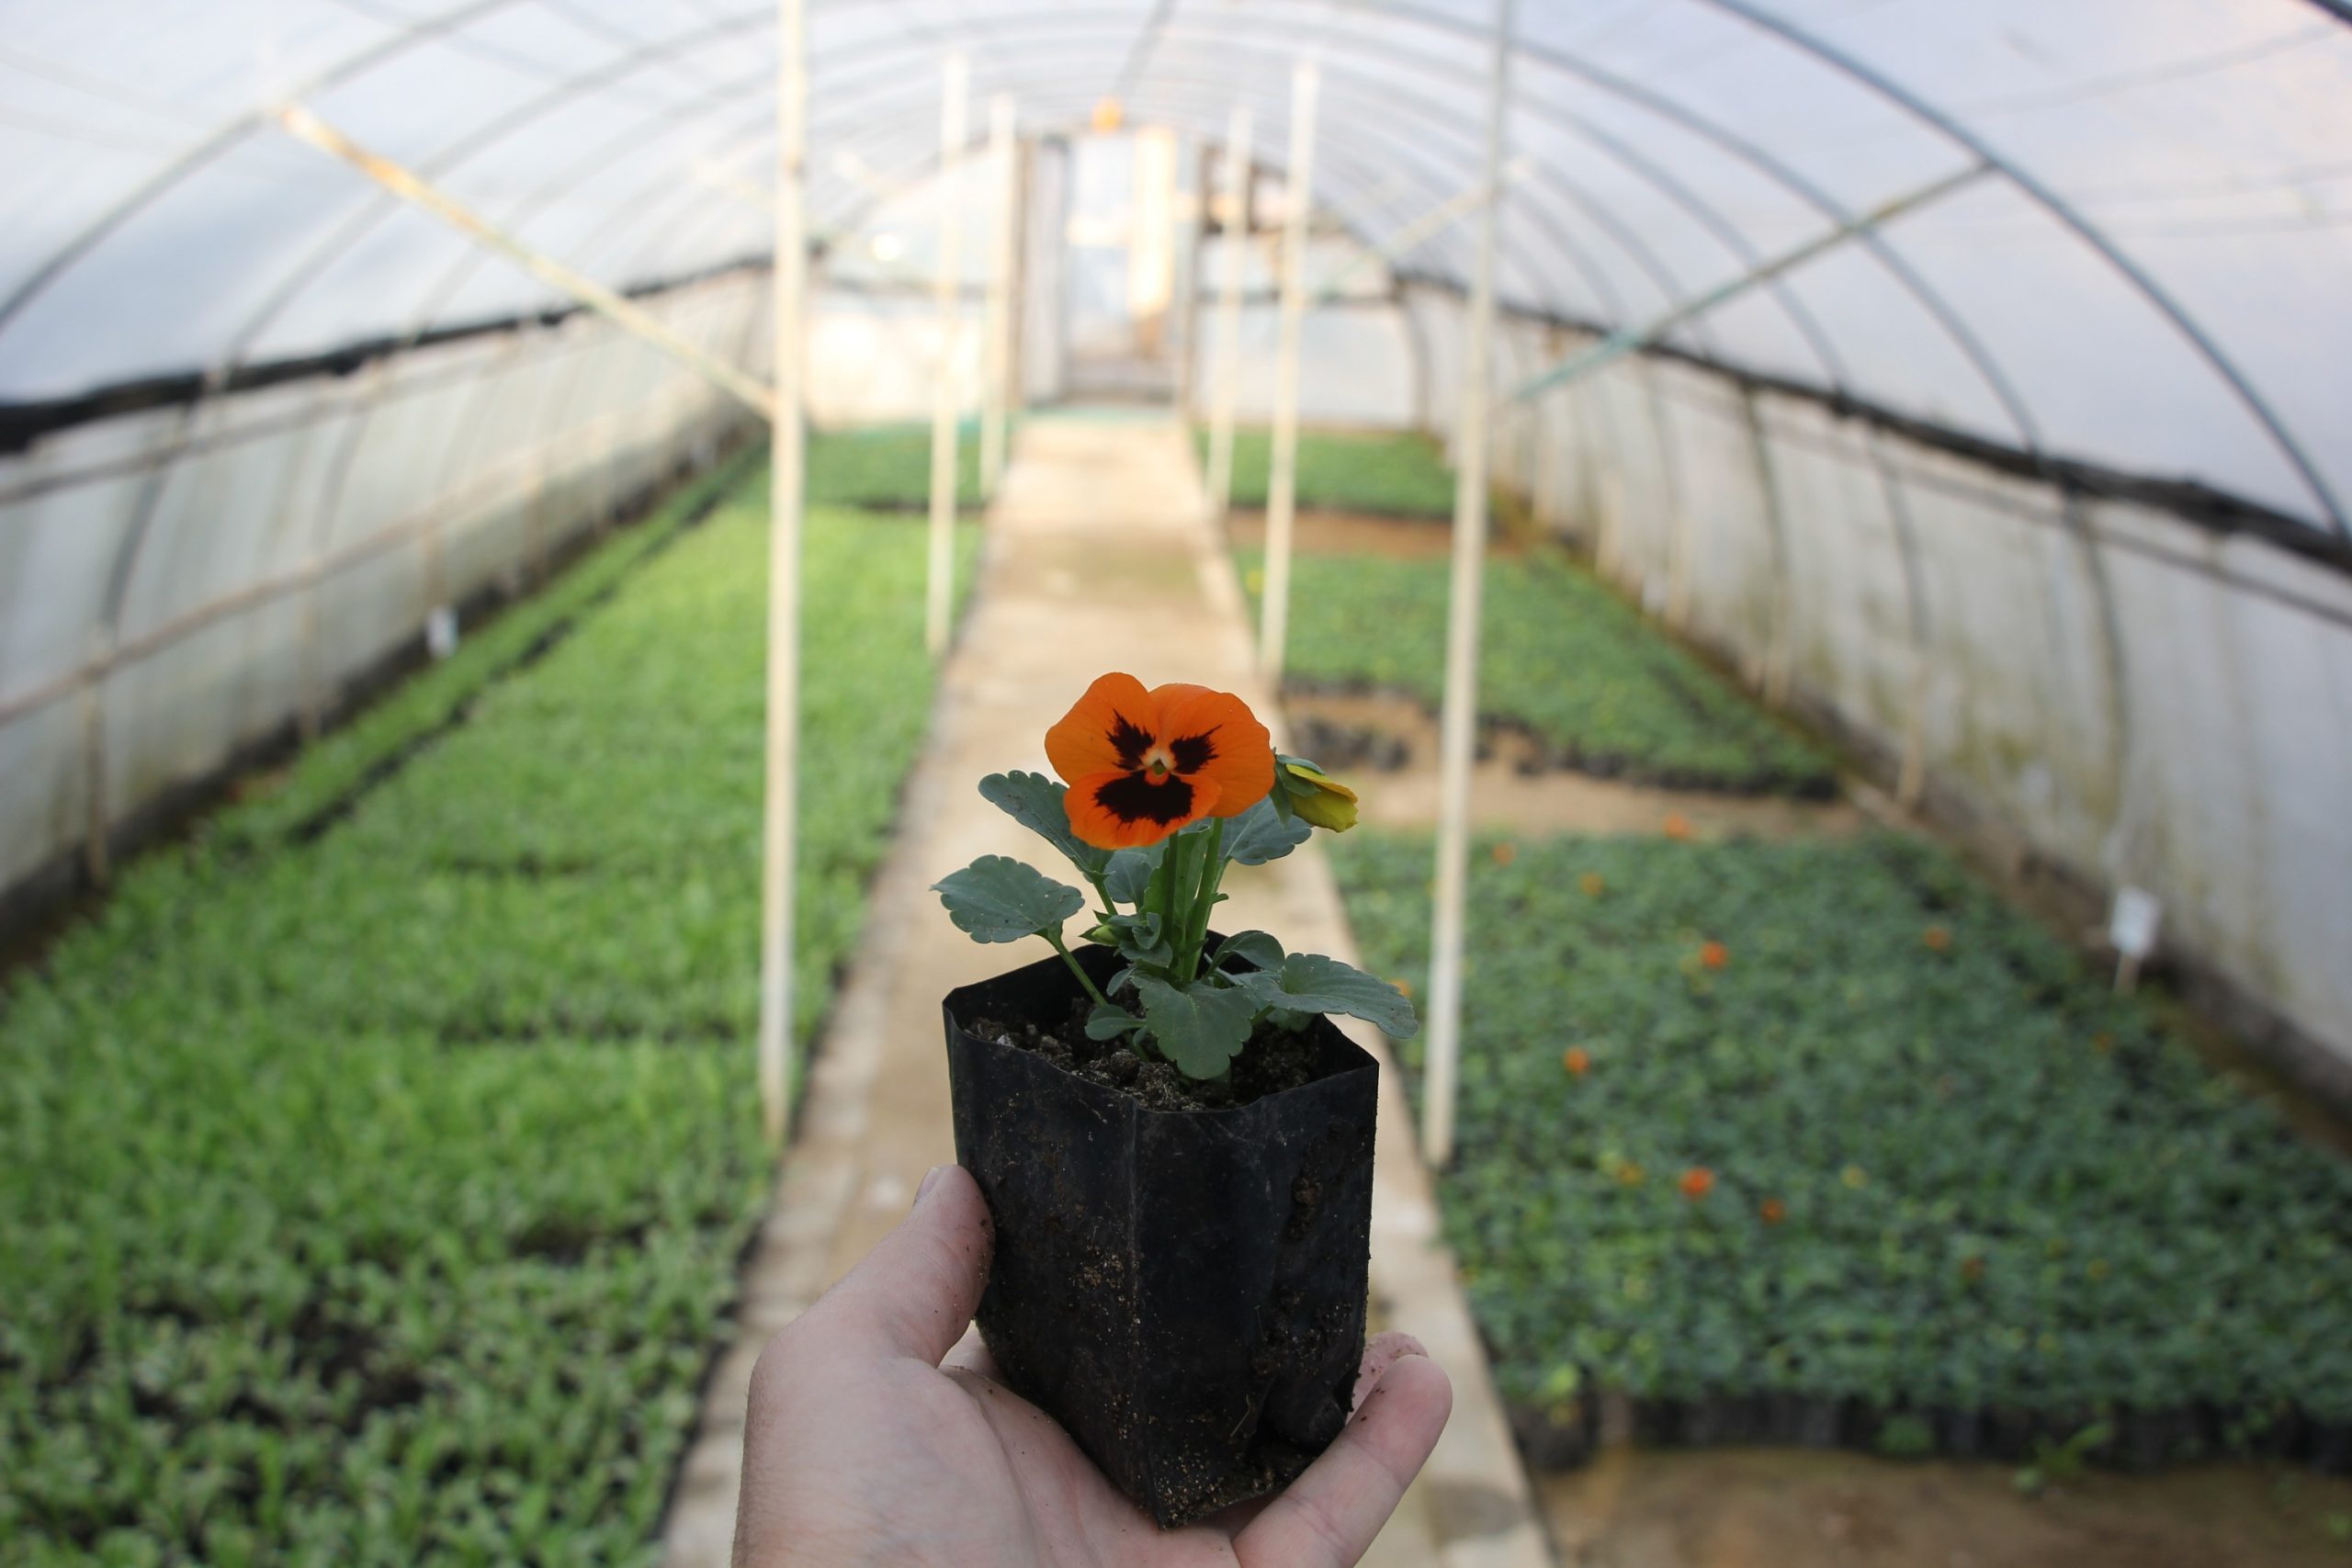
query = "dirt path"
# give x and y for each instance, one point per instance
(1782, 1508)
(1402, 784)
(1098, 557)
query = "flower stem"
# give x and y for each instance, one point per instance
(1075, 967)
(1196, 918)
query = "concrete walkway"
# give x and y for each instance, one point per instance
(1099, 558)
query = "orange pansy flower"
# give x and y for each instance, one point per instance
(1697, 1181)
(1714, 954)
(1143, 764)
(1578, 1060)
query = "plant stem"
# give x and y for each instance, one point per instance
(1196, 918)
(1075, 967)
(1171, 877)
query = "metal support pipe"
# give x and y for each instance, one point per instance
(408, 186)
(1282, 472)
(786, 492)
(1229, 310)
(996, 387)
(1458, 719)
(1630, 340)
(946, 286)
(1418, 232)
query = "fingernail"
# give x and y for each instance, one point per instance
(931, 1179)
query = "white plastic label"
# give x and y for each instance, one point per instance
(441, 632)
(2132, 924)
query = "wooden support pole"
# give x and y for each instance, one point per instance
(947, 288)
(786, 490)
(1458, 719)
(1235, 261)
(1282, 472)
(997, 397)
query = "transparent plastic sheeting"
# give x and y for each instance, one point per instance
(186, 581)
(2149, 278)
(2093, 685)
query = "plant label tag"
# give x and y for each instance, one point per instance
(2131, 923)
(441, 632)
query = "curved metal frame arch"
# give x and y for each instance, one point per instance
(2063, 211)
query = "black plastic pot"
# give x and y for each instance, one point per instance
(1183, 1290)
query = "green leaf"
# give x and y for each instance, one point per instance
(1199, 1027)
(1129, 873)
(998, 898)
(1140, 939)
(1036, 802)
(1263, 833)
(1107, 1022)
(1259, 948)
(1309, 982)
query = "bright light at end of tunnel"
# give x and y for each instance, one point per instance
(886, 248)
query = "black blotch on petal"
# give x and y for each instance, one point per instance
(1194, 753)
(1136, 798)
(1129, 740)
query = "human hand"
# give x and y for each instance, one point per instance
(877, 1435)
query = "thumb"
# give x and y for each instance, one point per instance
(916, 1291)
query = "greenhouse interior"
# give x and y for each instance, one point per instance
(1798, 552)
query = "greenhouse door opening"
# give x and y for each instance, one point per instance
(1120, 300)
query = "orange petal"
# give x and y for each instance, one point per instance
(1119, 809)
(1215, 739)
(1108, 727)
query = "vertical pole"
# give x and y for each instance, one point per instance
(947, 291)
(996, 391)
(1281, 475)
(1458, 720)
(1184, 244)
(1229, 310)
(785, 488)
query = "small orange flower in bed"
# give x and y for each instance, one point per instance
(1143, 764)
(1714, 954)
(1578, 1060)
(1937, 938)
(1697, 1182)
(1773, 1211)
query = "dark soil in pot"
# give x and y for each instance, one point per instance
(1180, 1275)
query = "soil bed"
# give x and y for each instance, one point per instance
(1392, 735)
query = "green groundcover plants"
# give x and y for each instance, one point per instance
(373, 1195)
(1562, 658)
(1401, 475)
(887, 467)
(1826, 1128)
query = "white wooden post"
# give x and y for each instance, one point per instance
(1458, 720)
(1228, 311)
(947, 292)
(785, 494)
(1185, 259)
(997, 399)
(1281, 475)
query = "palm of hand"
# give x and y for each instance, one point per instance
(863, 1445)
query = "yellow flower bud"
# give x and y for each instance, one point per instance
(1316, 797)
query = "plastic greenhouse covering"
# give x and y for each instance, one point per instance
(2038, 488)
